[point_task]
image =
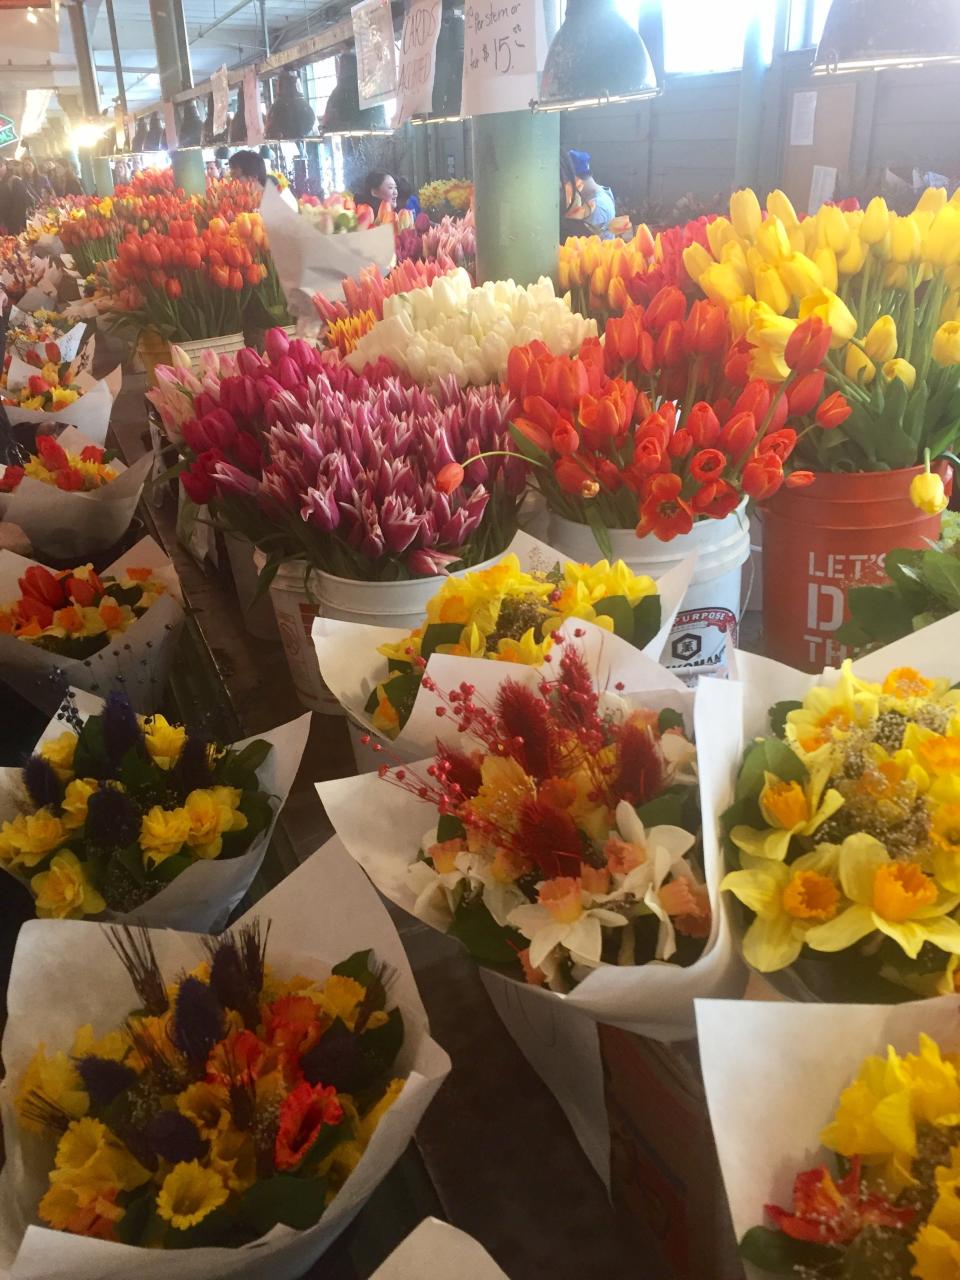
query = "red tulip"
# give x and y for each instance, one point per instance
(762, 476)
(277, 345)
(803, 393)
(833, 411)
(800, 479)
(738, 435)
(706, 329)
(669, 304)
(808, 345)
(663, 512)
(449, 478)
(702, 424)
(708, 465)
(43, 585)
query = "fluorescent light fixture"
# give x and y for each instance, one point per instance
(596, 57)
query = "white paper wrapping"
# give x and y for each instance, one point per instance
(774, 1074)
(310, 262)
(69, 342)
(383, 825)
(437, 1251)
(141, 656)
(203, 896)
(69, 526)
(319, 915)
(90, 414)
(351, 667)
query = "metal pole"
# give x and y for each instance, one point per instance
(169, 34)
(265, 37)
(518, 199)
(94, 170)
(117, 64)
(750, 114)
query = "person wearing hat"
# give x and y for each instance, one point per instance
(597, 207)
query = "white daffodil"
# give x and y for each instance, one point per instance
(565, 916)
(500, 895)
(433, 883)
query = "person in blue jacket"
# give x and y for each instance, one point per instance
(597, 207)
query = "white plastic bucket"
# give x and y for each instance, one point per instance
(381, 604)
(710, 609)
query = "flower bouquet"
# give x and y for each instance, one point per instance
(68, 499)
(454, 329)
(842, 836)
(530, 844)
(43, 337)
(346, 320)
(222, 1108)
(842, 1157)
(140, 818)
(336, 214)
(77, 627)
(308, 261)
(506, 613)
(58, 393)
(446, 197)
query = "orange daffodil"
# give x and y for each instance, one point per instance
(865, 845)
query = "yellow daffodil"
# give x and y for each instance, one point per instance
(385, 717)
(211, 813)
(58, 753)
(115, 1045)
(207, 1105)
(341, 997)
(63, 892)
(164, 741)
(366, 1127)
(163, 833)
(527, 650)
(790, 809)
(898, 899)
(833, 311)
(829, 713)
(56, 1079)
(788, 900)
(503, 789)
(189, 1193)
(80, 1209)
(89, 1156)
(233, 1157)
(936, 1252)
(73, 807)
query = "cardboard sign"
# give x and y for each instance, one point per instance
(252, 113)
(376, 51)
(504, 49)
(418, 60)
(221, 99)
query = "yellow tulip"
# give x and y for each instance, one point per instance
(734, 253)
(769, 330)
(859, 367)
(832, 311)
(941, 244)
(722, 283)
(955, 198)
(755, 259)
(801, 275)
(946, 343)
(798, 237)
(773, 241)
(739, 315)
(881, 342)
(927, 493)
(563, 270)
(905, 240)
(876, 221)
(932, 200)
(769, 288)
(718, 233)
(745, 213)
(951, 307)
(901, 369)
(696, 259)
(768, 364)
(600, 280)
(851, 262)
(780, 206)
(591, 255)
(832, 228)
(826, 261)
(895, 276)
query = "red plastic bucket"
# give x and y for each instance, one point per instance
(822, 539)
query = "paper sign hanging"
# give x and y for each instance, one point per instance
(170, 126)
(418, 60)
(376, 51)
(221, 99)
(252, 113)
(505, 44)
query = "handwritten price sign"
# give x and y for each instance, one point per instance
(376, 51)
(418, 60)
(504, 48)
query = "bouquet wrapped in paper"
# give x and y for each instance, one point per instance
(843, 838)
(58, 393)
(556, 833)
(842, 1157)
(72, 499)
(33, 337)
(224, 1107)
(506, 613)
(127, 817)
(77, 627)
(308, 261)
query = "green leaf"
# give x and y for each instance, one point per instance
(90, 757)
(669, 719)
(780, 1255)
(877, 1253)
(778, 715)
(251, 757)
(439, 633)
(137, 1215)
(381, 1045)
(449, 827)
(295, 1202)
(359, 967)
(529, 450)
(475, 927)
(598, 525)
(769, 755)
(172, 867)
(619, 611)
(132, 858)
(942, 572)
(665, 811)
(647, 618)
(880, 611)
(373, 701)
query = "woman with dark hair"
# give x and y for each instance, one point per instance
(378, 188)
(247, 166)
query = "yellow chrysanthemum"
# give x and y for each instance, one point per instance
(164, 741)
(189, 1193)
(163, 833)
(32, 836)
(63, 892)
(59, 752)
(73, 808)
(212, 812)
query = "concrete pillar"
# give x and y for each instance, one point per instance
(516, 156)
(176, 74)
(103, 175)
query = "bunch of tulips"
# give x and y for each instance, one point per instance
(667, 421)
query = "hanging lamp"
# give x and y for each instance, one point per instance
(595, 57)
(140, 135)
(154, 138)
(343, 113)
(861, 35)
(190, 126)
(291, 115)
(237, 131)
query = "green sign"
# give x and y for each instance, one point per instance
(8, 131)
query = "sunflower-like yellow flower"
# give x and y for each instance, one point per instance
(936, 1249)
(164, 741)
(189, 1193)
